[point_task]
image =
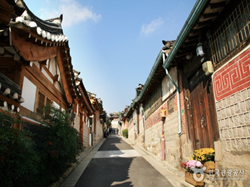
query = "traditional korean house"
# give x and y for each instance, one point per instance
(35, 63)
(202, 92)
(83, 109)
(115, 120)
(97, 120)
(212, 57)
(123, 120)
(146, 125)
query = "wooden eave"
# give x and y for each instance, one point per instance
(32, 45)
(31, 35)
(197, 33)
(67, 67)
(154, 82)
(6, 12)
(85, 98)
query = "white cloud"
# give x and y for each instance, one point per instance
(151, 27)
(73, 13)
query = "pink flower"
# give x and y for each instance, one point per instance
(194, 164)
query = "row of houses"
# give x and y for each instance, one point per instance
(36, 70)
(200, 84)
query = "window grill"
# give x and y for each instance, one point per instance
(171, 104)
(233, 32)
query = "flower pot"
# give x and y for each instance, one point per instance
(210, 167)
(190, 179)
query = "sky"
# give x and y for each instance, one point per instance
(114, 43)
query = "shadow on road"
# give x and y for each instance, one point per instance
(131, 171)
(108, 171)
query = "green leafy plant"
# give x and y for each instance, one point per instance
(125, 133)
(57, 144)
(18, 160)
(40, 157)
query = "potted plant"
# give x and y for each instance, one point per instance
(193, 172)
(206, 157)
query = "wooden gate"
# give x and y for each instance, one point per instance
(203, 126)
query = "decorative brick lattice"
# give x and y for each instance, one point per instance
(233, 77)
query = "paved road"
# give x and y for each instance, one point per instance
(116, 163)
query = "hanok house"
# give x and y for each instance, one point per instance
(97, 119)
(115, 121)
(83, 109)
(212, 55)
(35, 63)
(145, 123)
(121, 120)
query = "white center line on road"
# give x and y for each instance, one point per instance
(117, 153)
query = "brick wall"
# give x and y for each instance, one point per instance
(232, 93)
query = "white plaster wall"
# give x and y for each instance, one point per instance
(47, 76)
(77, 123)
(53, 66)
(115, 123)
(85, 135)
(167, 86)
(29, 94)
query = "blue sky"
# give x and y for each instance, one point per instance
(114, 43)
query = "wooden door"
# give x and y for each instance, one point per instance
(204, 126)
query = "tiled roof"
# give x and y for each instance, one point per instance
(43, 34)
(47, 29)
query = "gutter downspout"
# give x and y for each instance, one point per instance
(178, 100)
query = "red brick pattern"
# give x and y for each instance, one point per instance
(233, 77)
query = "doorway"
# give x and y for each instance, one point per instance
(203, 125)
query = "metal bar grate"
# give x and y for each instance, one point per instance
(232, 33)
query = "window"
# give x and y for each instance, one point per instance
(48, 105)
(154, 102)
(41, 100)
(171, 105)
(232, 32)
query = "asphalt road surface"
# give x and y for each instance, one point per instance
(117, 164)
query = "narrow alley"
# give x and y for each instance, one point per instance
(115, 163)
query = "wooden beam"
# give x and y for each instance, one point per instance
(202, 24)
(9, 101)
(216, 5)
(209, 16)
(32, 52)
(188, 44)
(196, 32)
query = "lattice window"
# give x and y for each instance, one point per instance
(154, 102)
(41, 99)
(171, 105)
(231, 33)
